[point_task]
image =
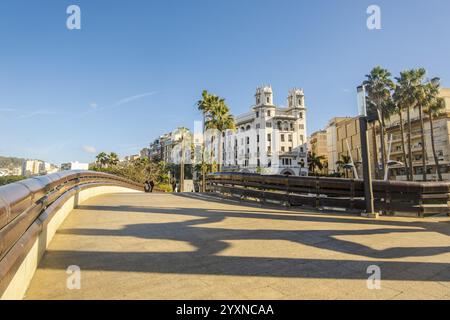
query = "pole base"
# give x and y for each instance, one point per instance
(372, 215)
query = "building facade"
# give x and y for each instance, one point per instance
(441, 128)
(33, 167)
(74, 166)
(168, 147)
(343, 139)
(268, 139)
(317, 145)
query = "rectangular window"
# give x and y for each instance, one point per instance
(282, 149)
(257, 138)
(269, 149)
(290, 138)
(248, 140)
(257, 114)
(258, 126)
(290, 149)
(268, 113)
(269, 137)
(301, 126)
(301, 115)
(282, 138)
(269, 124)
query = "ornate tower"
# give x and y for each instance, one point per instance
(264, 96)
(296, 99)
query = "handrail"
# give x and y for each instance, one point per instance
(22, 202)
(391, 197)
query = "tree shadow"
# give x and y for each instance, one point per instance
(209, 241)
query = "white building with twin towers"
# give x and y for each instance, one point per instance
(269, 139)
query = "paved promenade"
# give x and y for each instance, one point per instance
(165, 246)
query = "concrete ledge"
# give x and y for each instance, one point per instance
(41, 233)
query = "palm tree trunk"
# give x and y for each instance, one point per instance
(182, 165)
(424, 151)
(433, 147)
(220, 155)
(375, 149)
(203, 157)
(382, 145)
(411, 168)
(402, 132)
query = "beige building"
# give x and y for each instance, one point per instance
(317, 145)
(343, 138)
(441, 128)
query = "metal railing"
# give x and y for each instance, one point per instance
(391, 197)
(23, 203)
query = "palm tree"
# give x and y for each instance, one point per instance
(433, 107)
(401, 103)
(205, 105)
(379, 87)
(341, 163)
(408, 83)
(113, 158)
(315, 161)
(420, 96)
(102, 159)
(220, 119)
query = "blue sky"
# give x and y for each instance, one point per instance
(136, 68)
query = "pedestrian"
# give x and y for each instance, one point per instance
(174, 186)
(147, 186)
(152, 185)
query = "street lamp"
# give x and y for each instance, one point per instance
(436, 81)
(368, 192)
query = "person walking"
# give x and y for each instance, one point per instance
(174, 186)
(147, 186)
(152, 185)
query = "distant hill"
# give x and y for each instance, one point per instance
(10, 162)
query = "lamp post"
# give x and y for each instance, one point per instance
(367, 176)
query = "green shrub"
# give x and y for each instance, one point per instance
(165, 187)
(10, 179)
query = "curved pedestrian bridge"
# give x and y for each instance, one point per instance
(190, 246)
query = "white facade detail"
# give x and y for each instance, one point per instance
(268, 139)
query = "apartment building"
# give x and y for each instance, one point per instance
(33, 167)
(441, 128)
(269, 139)
(343, 138)
(317, 145)
(74, 166)
(168, 147)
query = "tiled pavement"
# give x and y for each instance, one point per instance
(166, 246)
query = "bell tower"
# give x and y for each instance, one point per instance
(296, 99)
(264, 96)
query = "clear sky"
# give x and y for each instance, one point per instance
(136, 68)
